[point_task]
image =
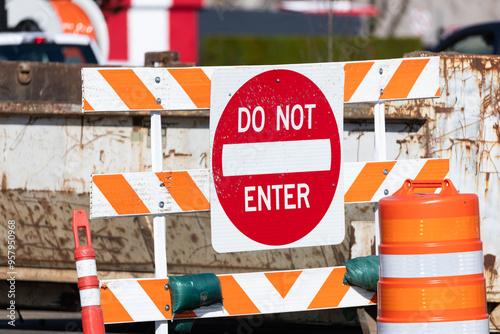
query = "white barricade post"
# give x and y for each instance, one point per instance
(274, 127)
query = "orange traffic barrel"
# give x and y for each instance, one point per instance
(431, 261)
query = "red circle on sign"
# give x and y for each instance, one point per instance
(276, 208)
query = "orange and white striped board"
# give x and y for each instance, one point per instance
(431, 262)
(243, 294)
(131, 194)
(134, 89)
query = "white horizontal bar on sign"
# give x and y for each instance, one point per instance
(276, 157)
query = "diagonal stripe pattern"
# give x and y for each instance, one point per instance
(283, 281)
(118, 192)
(184, 191)
(130, 89)
(354, 75)
(370, 181)
(404, 78)
(135, 300)
(243, 294)
(195, 83)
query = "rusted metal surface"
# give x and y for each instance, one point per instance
(46, 166)
(61, 153)
(50, 151)
(462, 125)
(194, 230)
(44, 238)
(405, 140)
(66, 109)
(46, 175)
(45, 172)
(164, 59)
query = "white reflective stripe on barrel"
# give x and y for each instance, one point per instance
(90, 297)
(85, 268)
(445, 327)
(431, 265)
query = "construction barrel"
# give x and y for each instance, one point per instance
(431, 261)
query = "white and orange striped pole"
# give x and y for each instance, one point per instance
(134, 89)
(88, 284)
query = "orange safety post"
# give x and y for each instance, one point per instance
(431, 262)
(88, 284)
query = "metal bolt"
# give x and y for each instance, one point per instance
(381, 91)
(167, 308)
(158, 101)
(333, 185)
(161, 204)
(386, 192)
(380, 71)
(229, 94)
(167, 287)
(157, 79)
(386, 172)
(277, 80)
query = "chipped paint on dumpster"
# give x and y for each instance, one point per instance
(50, 150)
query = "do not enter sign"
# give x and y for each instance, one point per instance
(276, 157)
